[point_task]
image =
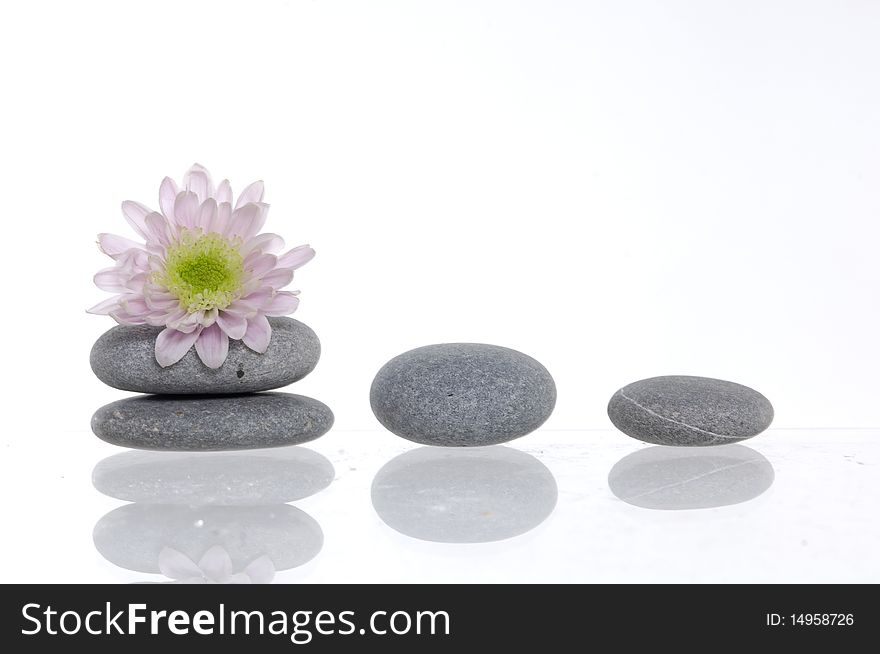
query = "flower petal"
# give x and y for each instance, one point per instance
(282, 304)
(258, 334)
(224, 192)
(198, 180)
(222, 219)
(111, 279)
(216, 564)
(261, 570)
(137, 282)
(212, 346)
(261, 264)
(252, 193)
(235, 326)
(113, 245)
(278, 278)
(158, 228)
(177, 565)
(167, 196)
(297, 257)
(207, 213)
(172, 345)
(268, 243)
(246, 221)
(135, 214)
(186, 209)
(104, 307)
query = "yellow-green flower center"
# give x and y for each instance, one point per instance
(204, 271)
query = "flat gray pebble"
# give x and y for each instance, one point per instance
(462, 394)
(674, 478)
(124, 358)
(680, 410)
(133, 535)
(215, 422)
(253, 477)
(473, 495)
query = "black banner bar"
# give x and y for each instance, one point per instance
(435, 617)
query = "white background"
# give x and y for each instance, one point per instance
(619, 189)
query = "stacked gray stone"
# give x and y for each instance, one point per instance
(190, 407)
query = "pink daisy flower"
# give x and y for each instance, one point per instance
(204, 272)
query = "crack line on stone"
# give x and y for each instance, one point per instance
(680, 424)
(687, 481)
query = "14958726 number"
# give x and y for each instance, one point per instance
(821, 619)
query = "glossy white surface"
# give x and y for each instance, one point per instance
(816, 522)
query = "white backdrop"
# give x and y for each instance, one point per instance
(620, 189)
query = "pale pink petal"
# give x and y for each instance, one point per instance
(297, 257)
(246, 221)
(186, 209)
(114, 246)
(260, 265)
(278, 278)
(133, 261)
(216, 564)
(111, 279)
(258, 334)
(224, 192)
(212, 346)
(188, 323)
(165, 318)
(167, 196)
(268, 243)
(137, 282)
(282, 304)
(161, 305)
(135, 213)
(198, 180)
(158, 228)
(177, 565)
(209, 317)
(234, 326)
(172, 345)
(261, 570)
(253, 193)
(106, 306)
(222, 219)
(124, 318)
(134, 305)
(241, 310)
(256, 299)
(207, 213)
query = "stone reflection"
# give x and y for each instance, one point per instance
(671, 478)
(464, 495)
(211, 517)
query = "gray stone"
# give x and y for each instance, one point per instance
(133, 535)
(214, 422)
(274, 476)
(674, 478)
(124, 358)
(680, 410)
(462, 394)
(473, 495)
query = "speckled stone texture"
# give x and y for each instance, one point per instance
(464, 495)
(462, 394)
(124, 357)
(216, 422)
(133, 535)
(254, 477)
(679, 410)
(669, 479)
